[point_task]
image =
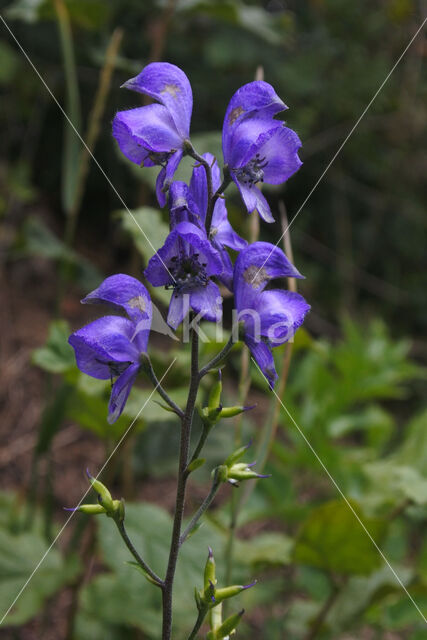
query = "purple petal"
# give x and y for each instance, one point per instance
(254, 200)
(281, 154)
(149, 127)
(165, 177)
(120, 392)
(226, 276)
(224, 235)
(255, 99)
(157, 272)
(103, 343)
(248, 137)
(263, 356)
(195, 237)
(179, 307)
(126, 293)
(281, 313)
(182, 206)
(207, 300)
(169, 85)
(199, 189)
(255, 266)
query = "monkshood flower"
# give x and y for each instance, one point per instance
(155, 134)
(268, 318)
(190, 204)
(256, 147)
(111, 347)
(186, 263)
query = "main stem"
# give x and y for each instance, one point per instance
(182, 483)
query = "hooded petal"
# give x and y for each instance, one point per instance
(255, 99)
(120, 392)
(207, 300)
(170, 86)
(255, 266)
(264, 358)
(254, 200)
(165, 177)
(104, 346)
(126, 293)
(281, 313)
(150, 127)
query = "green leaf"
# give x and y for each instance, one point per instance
(19, 556)
(273, 549)
(332, 539)
(57, 356)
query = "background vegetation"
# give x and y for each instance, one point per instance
(357, 376)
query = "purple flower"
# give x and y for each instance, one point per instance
(191, 261)
(256, 147)
(110, 347)
(189, 204)
(269, 318)
(155, 134)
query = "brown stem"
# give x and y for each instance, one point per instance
(182, 483)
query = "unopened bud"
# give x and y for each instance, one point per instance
(230, 412)
(209, 575)
(215, 394)
(229, 625)
(230, 592)
(92, 509)
(104, 496)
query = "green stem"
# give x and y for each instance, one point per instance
(201, 510)
(218, 358)
(200, 619)
(181, 488)
(134, 552)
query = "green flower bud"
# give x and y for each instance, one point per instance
(236, 455)
(229, 625)
(215, 618)
(210, 636)
(104, 496)
(230, 412)
(209, 576)
(215, 394)
(92, 509)
(229, 592)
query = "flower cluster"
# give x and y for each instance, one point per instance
(194, 259)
